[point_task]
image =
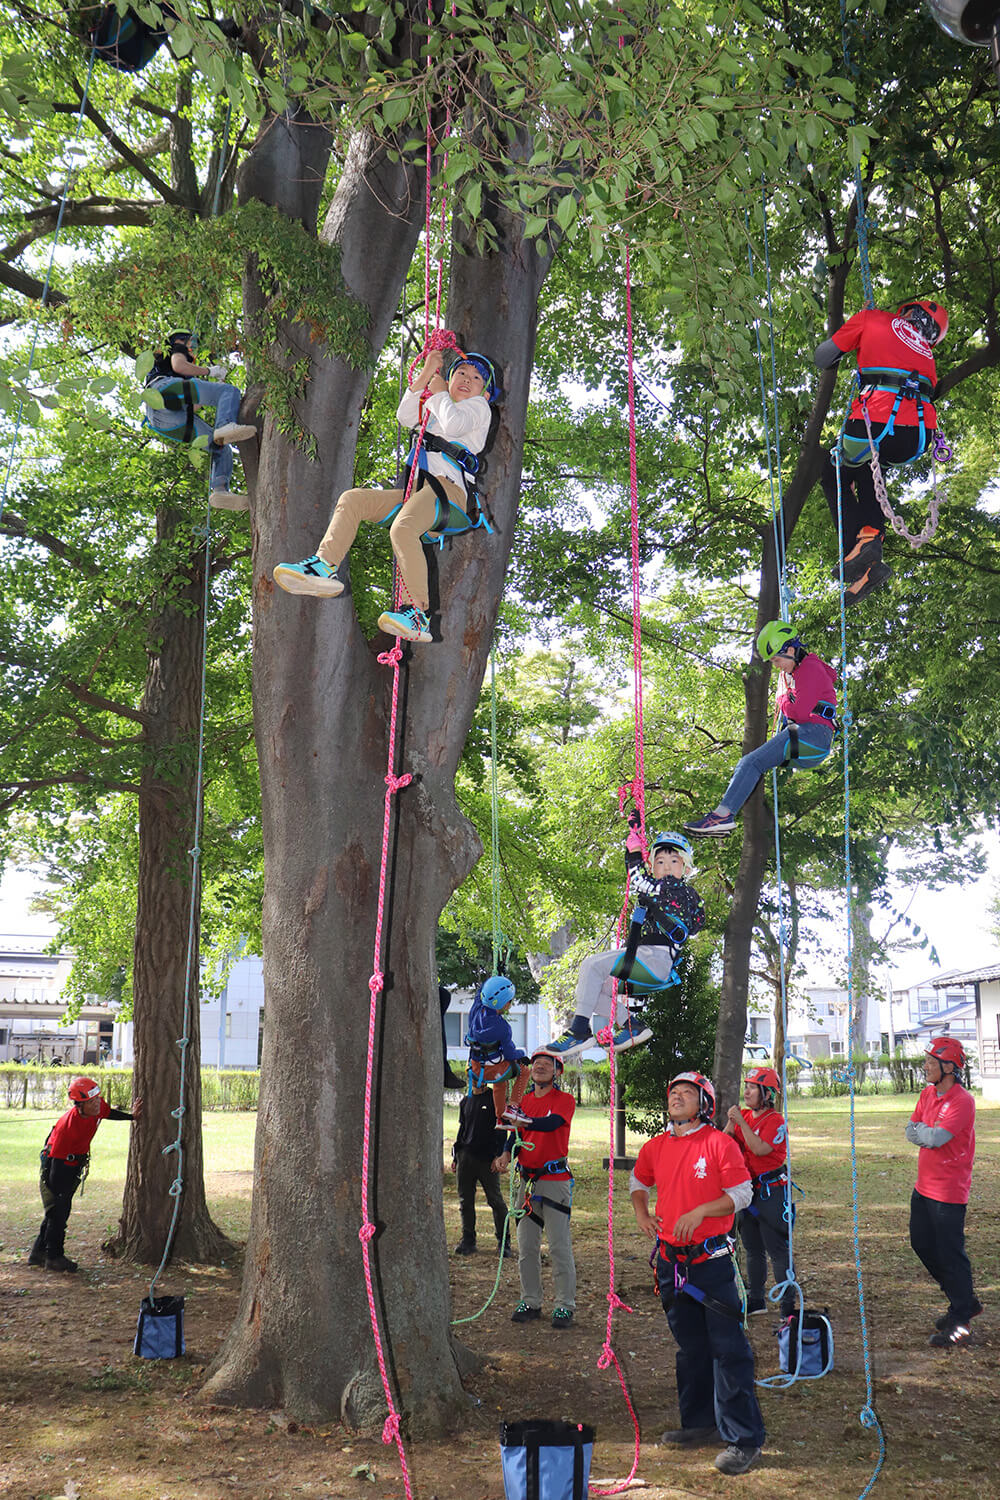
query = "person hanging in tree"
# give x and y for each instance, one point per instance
(494, 1057)
(807, 705)
(184, 387)
(762, 1135)
(458, 398)
(898, 379)
(65, 1159)
(673, 910)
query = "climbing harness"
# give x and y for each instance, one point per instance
(635, 977)
(682, 1257)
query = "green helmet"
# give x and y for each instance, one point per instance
(775, 636)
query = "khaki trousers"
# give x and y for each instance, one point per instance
(557, 1232)
(416, 517)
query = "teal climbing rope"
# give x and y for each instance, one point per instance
(500, 946)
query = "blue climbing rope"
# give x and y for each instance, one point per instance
(862, 224)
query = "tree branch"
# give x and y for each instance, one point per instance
(125, 151)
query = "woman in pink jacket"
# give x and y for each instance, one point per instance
(807, 703)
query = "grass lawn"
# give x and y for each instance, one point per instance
(79, 1409)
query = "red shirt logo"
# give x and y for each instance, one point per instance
(911, 337)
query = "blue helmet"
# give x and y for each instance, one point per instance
(675, 841)
(485, 367)
(497, 992)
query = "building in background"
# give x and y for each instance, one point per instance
(817, 1026)
(528, 1023)
(941, 1004)
(32, 1007)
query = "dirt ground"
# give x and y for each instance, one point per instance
(80, 1417)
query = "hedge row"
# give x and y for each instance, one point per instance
(45, 1088)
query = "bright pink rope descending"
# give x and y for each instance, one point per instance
(639, 784)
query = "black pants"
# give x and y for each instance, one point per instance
(765, 1234)
(470, 1171)
(937, 1235)
(57, 1182)
(858, 504)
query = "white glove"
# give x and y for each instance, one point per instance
(217, 372)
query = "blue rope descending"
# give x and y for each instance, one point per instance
(863, 223)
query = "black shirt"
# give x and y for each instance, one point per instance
(477, 1127)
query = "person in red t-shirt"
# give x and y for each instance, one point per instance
(546, 1192)
(701, 1181)
(898, 378)
(943, 1125)
(807, 704)
(761, 1134)
(65, 1158)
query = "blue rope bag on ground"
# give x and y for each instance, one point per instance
(159, 1333)
(546, 1460)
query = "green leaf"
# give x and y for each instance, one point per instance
(473, 197)
(566, 210)
(181, 40)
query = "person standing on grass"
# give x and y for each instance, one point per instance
(762, 1135)
(65, 1161)
(474, 1153)
(943, 1125)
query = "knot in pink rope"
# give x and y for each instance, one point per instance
(367, 1232)
(376, 982)
(440, 339)
(390, 1428)
(390, 658)
(616, 1301)
(605, 1036)
(606, 1358)
(395, 783)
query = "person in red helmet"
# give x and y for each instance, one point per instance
(898, 378)
(762, 1135)
(701, 1182)
(65, 1158)
(943, 1125)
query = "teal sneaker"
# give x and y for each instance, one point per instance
(562, 1317)
(632, 1034)
(524, 1313)
(311, 576)
(569, 1044)
(410, 624)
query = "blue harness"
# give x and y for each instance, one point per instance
(906, 385)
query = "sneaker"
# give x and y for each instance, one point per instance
(37, 1258)
(690, 1437)
(562, 1317)
(234, 432)
(310, 576)
(736, 1459)
(515, 1115)
(756, 1305)
(452, 1080)
(525, 1314)
(227, 500)
(569, 1044)
(508, 1253)
(878, 574)
(410, 624)
(632, 1034)
(950, 1335)
(713, 823)
(59, 1263)
(465, 1247)
(856, 567)
(946, 1320)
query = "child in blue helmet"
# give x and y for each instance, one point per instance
(493, 1056)
(673, 910)
(459, 405)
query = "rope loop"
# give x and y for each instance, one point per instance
(390, 658)
(867, 1417)
(179, 1112)
(376, 982)
(390, 1428)
(616, 1302)
(367, 1231)
(605, 1036)
(396, 783)
(173, 1146)
(606, 1358)
(176, 1187)
(182, 1042)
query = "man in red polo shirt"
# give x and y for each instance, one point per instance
(943, 1125)
(701, 1181)
(546, 1190)
(65, 1158)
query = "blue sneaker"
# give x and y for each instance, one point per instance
(410, 624)
(632, 1034)
(569, 1044)
(712, 823)
(311, 576)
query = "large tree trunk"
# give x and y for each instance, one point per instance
(301, 1337)
(168, 795)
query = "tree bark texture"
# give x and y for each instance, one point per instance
(168, 795)
(302, 1336)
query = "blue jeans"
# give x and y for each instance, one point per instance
(771, 754)
(170, 424)
(715, 1368)
(937, 1235)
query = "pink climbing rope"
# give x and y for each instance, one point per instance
(637, 790)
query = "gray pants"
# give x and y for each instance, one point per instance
(594, 983)
(557, 1232)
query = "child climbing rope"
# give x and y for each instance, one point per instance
(185, 386)
(807, 704)
(65, 1159)
(673, 911)
(457, 430)
(493, 1056)
(893, 413)
(762, 1135)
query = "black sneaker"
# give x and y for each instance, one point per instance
(947, 1320)
(507, 1251)
(59, 1263)
(735, 1459)
(756, 1305)
(562, 1317)
(465, 1247)
(452, 1080)
(951, 1336)
(525, 1314)
(878, 574)
(690, 1437)
(37, 1257)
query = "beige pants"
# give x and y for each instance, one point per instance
(416, 517)
(557, 1232)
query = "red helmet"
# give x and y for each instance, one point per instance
(930, 317)
(946, 1049)
(706, 1092)
(83, 1088)
(766, 1080)
(553, 1056)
